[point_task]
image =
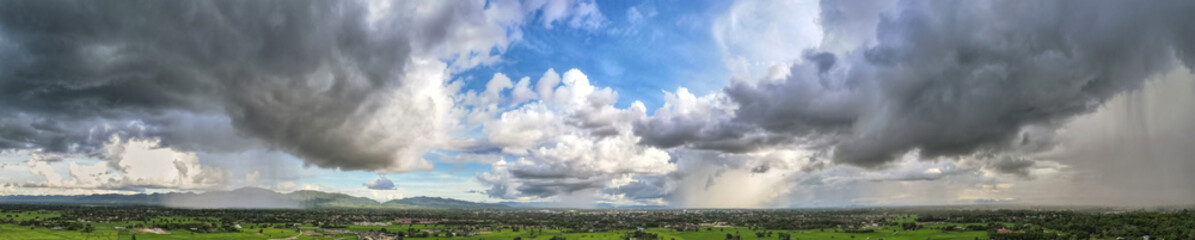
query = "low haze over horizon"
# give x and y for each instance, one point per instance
(585, 104)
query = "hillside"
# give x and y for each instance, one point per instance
(317, 199)
(240, 198)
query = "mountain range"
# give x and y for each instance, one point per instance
(248, 197)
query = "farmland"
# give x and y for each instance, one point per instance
(54, 222)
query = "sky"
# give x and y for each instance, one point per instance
(576, 103)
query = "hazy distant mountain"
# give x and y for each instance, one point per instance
(597, 206)
(241, 198)
(437, 202)
(317, 199)
(247, 198)
(251, 197)
(102, 199)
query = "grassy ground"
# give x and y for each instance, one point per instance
(109, 231)
(105, 231)
(889, 233)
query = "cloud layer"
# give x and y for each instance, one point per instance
(949, 79)
(353, 85)
(304, 76)
(569, 139)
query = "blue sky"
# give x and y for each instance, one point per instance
(667, 47)
(641, 49)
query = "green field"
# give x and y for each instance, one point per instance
(107, 231)
(891, 233)
(125, 230)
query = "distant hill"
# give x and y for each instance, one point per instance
(437, 202)
(594, 206)
(97, 199)
(240, 198)
(246, 198)
(317, 199)
(251, 197)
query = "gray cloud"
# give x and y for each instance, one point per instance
(554, 187)
(539, 181)
(644, 187)
(538, 187)
(700, 133)
(306, 77)
(1011, 165)
(382, 183)
(950, 78)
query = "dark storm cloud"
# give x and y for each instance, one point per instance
(701, 133)
(23, 131)
(540, 181)
(1015, 166)
(540, 188)
(498, 190)
(548, 171)
(761, 168)
(539, 174)
(303, 76)
(644, 187)
(952, 78)
(554, 187)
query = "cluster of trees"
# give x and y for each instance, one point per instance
(200, 227)
(516, 219)
(763, 234)
(1069, 223)
(1027, 235)
(82, 227)
(858, 230)
(640, 235)
(784, 236)
(1158, 225)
